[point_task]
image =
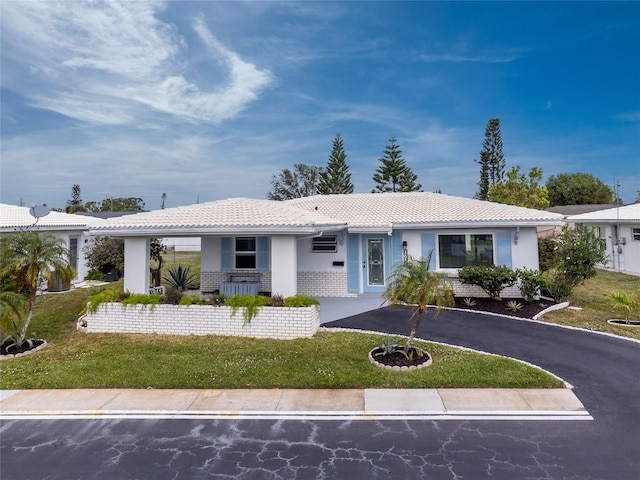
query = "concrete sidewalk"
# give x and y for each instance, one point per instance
(353, 404)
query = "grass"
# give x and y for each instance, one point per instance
(174, 259)
(596, 307)
(329, 360)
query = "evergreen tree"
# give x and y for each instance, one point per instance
(578, 189)
(393, 175)
(492, 162)
(521, 190)
(75, 204)
(336, 178)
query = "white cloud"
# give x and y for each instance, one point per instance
(454, 58)
(107, 62)
(631, 117)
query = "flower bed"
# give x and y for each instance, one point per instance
(269, 322)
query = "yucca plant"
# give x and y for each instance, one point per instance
(179, 277)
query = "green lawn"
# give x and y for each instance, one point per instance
(329, 360)
(596, 307)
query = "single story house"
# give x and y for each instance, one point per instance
(619, 227)
(331, 245)
(73, 229)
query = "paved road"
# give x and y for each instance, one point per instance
(605, 372)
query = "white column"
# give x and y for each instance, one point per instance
(284, 272)
(136, 265)
(210, 254)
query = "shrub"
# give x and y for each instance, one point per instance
(180, 278)
(141, 299)
(251, 305)
(104, 296)
(625, 302)
(95, 275)
(531, 283)
(191, 300)
(579, 250)
(560, 287)
(300, 300)
(276, 301)
(491, 278)
(547, 253)
(172, 296)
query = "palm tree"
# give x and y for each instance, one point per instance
(29, 257)
(413, 283)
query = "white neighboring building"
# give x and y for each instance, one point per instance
(73, 229)
(619, 227)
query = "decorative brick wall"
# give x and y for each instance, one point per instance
(210, 281)
(465, 290)
(324, 284)
(270, 322)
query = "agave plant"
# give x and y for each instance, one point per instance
(179, 277)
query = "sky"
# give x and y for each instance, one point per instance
(207, 100)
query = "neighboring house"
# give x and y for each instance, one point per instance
(619, 227)
(566, 211)
(73, 229)
(332, 245)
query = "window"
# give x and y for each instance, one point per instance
(457, 251)
(246, 252)
(73, 252)
(328, 243)
(635, 233)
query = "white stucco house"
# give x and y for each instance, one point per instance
(331, 245)
(73, 229)
(619, 227)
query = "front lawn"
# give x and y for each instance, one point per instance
(329, 360)
(596, 307)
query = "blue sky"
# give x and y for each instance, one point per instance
(207, 100)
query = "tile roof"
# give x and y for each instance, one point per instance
(628, 213)
(385, 210)
(13, 217)
(310, 214)
(233, 213)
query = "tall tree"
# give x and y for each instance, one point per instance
(119, 204)
(75, 204)
(578, 189)
(521, 190)
(29, 257)
(336, 177)
(393, 175)
(492, 162)
(302, 181)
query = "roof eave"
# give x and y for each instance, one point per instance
(213, 231)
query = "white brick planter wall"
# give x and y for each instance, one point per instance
(270, 322)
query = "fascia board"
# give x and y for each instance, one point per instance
(487, 224)
(203, 232)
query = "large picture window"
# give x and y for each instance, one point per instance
(457, 251)
(246, 252)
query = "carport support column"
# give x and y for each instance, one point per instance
(284, 271)
(136, 265)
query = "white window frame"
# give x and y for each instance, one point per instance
(450, 234)
(635, 234)
(245, 253)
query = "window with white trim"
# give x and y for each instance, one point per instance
(245, 252)
(462, 250)
(324, 244)
(635, 234)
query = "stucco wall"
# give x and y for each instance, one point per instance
(270, 322)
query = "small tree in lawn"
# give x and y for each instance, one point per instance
(30, 257)
(414, 283)
(393, 175)
(336, 177)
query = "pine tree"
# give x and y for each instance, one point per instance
(75, 204)
(492, 162)
(393, 175)
(336, 177)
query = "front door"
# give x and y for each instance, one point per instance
(373, 266)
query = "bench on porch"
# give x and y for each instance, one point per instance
(241, 284)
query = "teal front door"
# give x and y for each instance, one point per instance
(374, 264)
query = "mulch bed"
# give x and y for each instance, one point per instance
(398, 359)
(25, 347)
(529, 309)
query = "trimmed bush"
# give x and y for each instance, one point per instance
(531, 283)
(300, 300)
(491, 278)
